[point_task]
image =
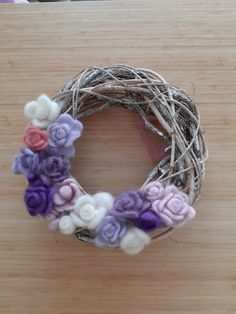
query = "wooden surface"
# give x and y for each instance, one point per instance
(192, 44)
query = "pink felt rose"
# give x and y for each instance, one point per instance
(53, 220)
(36, 139)
(67, 193)
(173, 208)
(173, 189)
(153, 191)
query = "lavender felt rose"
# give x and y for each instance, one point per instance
(148, 220)
(53, 219)
(110, 232)
(174, 190)
(25, 162)
(52, 167)
(130, 204)
(153, 190)
(66, 194)
(38, 199)
(62, 134)
(173, 208)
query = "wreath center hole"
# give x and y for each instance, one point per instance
(111, 154)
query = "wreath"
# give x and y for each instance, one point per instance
(135, 218)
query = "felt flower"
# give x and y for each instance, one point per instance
(66, 194)
(33, 179)
(36, 139)
(153, 191)
(173, 208)
(148, 220)
(174, 190)
(110, 232)
(42, 111)
(25, 162)
(52, 167)
(66, 225)
(62, 134)
(53, 219)
(38, 199)
(91, 209)
(130, 204)
(134, 241)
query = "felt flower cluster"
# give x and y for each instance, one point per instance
(123, 222)
(49, 140)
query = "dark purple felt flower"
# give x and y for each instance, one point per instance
(25, 162)
(52, 167)
(39, 199)
(110, 232)
(34, 179)
(148, 221)
(62, 134)
(130, 204)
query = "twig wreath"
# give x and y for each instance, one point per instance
(133, 219)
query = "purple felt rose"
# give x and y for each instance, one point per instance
(52, 167)
(62, 134)
(39, 199)
(34, 179)
(130, 204)
(25, 162)
(110, 232)
(148, 221)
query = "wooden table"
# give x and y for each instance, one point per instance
(190, 42)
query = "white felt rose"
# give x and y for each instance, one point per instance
(66, 225)
(91, 209)
(134, 241)
(42, 111)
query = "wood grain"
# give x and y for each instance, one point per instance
(193, 44)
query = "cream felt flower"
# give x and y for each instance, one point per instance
(42, 111)
(91, 209)
(66, 226)
(134, 241)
